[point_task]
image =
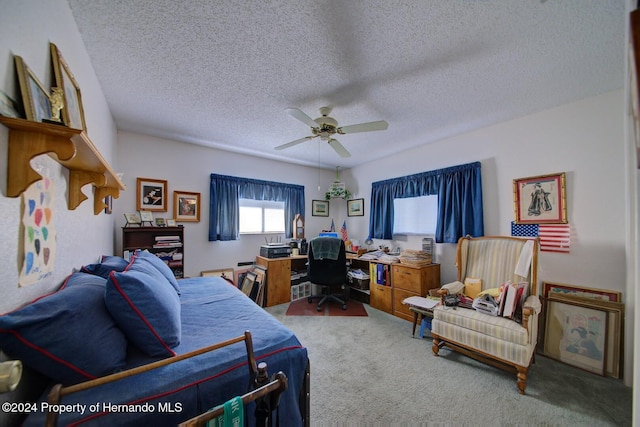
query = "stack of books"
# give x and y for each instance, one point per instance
(167, 242)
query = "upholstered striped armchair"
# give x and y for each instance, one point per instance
(496, 340)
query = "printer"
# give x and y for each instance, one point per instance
(275, 250)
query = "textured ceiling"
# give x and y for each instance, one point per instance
(221, 73)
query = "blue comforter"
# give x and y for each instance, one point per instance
(212, 311)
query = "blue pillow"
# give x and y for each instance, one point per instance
(105, 266)
(160, 266)
(146, 307)
(68, 335)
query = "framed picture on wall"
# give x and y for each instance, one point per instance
(540, 199)
(186, 206)
(320, 208)
(355, 207)
(151, 195)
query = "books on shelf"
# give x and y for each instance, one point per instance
(379, 273)
(164, 238)
(167, 242)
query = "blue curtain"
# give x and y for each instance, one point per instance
(225, 191)
(459, 190)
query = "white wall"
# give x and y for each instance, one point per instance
(188, 167)
(26, 28)
(584, 139)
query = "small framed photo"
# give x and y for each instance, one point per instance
(151, 195)
(355, 207)
(186, 206)
(132, 218)
(160, 222)
(540, 199)
(170, 222)
(320, 208)
(576, 334)
(146, 216)
(35, 98)
(72, 112)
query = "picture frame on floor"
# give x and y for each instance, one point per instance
(248, 283)
(576, 334)
(615, 318)
(550, 289)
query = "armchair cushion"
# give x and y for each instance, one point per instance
(485, 324)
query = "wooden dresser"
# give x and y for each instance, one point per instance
(408, 281)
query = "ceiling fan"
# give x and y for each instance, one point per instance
(325, 127)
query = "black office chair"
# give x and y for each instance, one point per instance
(327, 268)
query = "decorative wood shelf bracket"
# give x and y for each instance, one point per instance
(24, 146)
(99, 195)
(72, 149)
(78, 179)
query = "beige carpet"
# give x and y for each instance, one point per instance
(369, 371)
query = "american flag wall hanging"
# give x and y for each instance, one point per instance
(553, 237)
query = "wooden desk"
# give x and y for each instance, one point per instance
(279, 276)
(403, 281)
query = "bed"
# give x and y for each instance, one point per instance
(210, 311)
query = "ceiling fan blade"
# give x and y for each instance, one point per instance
(292, 143)
(298, 114)
(364, 127)
(335, 144)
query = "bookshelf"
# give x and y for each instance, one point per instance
(167, 243)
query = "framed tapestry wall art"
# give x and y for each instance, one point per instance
(540, 199)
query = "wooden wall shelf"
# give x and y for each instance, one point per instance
(72, 148)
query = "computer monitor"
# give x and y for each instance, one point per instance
(328, 234)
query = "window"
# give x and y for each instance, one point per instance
(415, 215)
(261, 216)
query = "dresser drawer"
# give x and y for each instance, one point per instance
(410, 279)
(380, 297)
(400, 309)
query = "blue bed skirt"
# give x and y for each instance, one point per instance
(212, 311)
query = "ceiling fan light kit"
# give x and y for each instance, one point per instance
(326, 126)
